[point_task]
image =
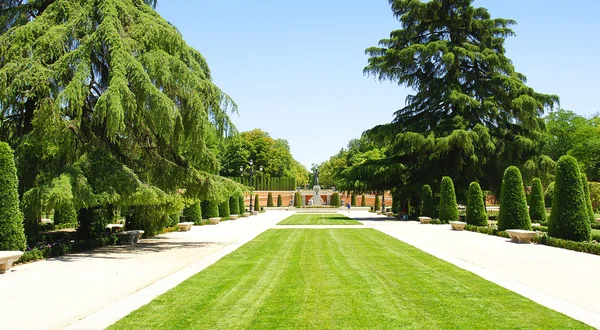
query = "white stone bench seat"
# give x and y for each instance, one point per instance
(185, 226)
(425, 219)
(7, 258)
(520, 235)
(458, 225)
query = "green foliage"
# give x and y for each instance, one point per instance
(549, 194)
(234, 205)
(335, 199)
(476, 212)
(92, 222)
(12, 237)
(513, 204)
(486, 230)
(586, 247)
(210, 209)
(448, 209)
(152, 219)
(279, 201)
(256, 203)
(65, 213)
(426, 201)
(242, 207)
(586, 196)
(363, 200)
(297, 199)
(537, 207)
(224, 210)
(193, 213)
(594, 188)
(270, 200)
(353, 199)
(569, 218)
(377, 203)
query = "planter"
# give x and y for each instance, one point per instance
(246, 214)
(255, 212)
(185, 226)
(214, 221)
(7, 258)
(425, 220)
(520, 235)
(129, 237)
(233, 217)
(378, 212)
(458, 225)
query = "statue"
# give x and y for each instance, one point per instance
(316, 177)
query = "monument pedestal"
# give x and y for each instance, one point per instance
(316, 196)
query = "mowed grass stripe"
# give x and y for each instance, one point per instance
(319, 219)
(339, 279)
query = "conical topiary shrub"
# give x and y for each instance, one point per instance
(476, 213)
(363, 201)
(12, 234)
(242, 207)
(513, 203)
(569, 218)
(297, 199)
(448, 207)
(377, 206)
(234, 205)
(193, 213)
(335, 200)
(586, 195)
(210, 209)
(224, 211)
(279, 201)
(256, 203)
(537, 207)
(353, 200)
(549, 194)
(270, 200)
(65, 213)
(426, 201)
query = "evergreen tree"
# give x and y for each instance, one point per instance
(476, 212)
(353, 199)
(210, 209)
(513, 203)
(549, 194)
(377, 206)
(256, 203)
(270, 200)
(569, 218)
(448, 206)
(241, 204)
(426, 201)
(12, 237)
(224, 211)
(193, 213)
(586, 195)
(65, 213)
(279, 200)
(537, 207)
(234, 206)
(297, 199)
(335, 199)
(363, 201)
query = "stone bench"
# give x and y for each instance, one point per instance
(7, 258)
(115, 227)
(458, 225)
(520, 235)
(378, 212)
(185, 226)
(255, 212)
(214, 221)
(246, 214)
(389, 214)
(598, 220)
(129, 237)
(233, 217)
(425, 219)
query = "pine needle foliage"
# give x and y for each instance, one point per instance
(448, 207)
(537, 207)
(513, 203)
(476, 212)
(426, 201)
(12, 237)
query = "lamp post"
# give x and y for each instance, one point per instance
(251, 172)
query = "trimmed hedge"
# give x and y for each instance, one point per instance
(92, 223)
(234, 206)
(549, 194)
(487, 231)
(270, 200)
(448, 206)
(513, 203)
(426, 201)
(224, 211)
(335, 200)
(586, 195)
(210, 209)
(279, 201)
(569, 218)
(297, 199)
(152, 219)
(353, 200)
(256, 203)
(363, 201)
(65, 213)
(241, 206)
(476, 213)
(12, 234)
(377, 206)
(587, 247)
(193, 213)
(537, 207)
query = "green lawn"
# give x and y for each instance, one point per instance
(596, 232)
(319, 219)
(339, 279)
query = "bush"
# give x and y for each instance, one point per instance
(586, 195)
(513, 204)
(193, 213)
(224, 211)
(242, 207)
(92, 222)
(594, 188)
(12, 234)
(279, 201)
(270, 200)
(476, 213)
(363, 201)
(65, 213)
(297, 199)
(487, 230)
(426, 201)
(256, 203)
(335, 200)
(353, 200)
(549, 194)
(569, 218)
(537, 207)
(152, 219)
(234, 206)
(210, 209)
(448, 206)
(377, 206)
(587, 247)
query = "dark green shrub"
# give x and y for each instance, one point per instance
(587, 247)
(448, 207)
(297, 199)
(487, 231)
(224, 211)
(152, 219)
(193, 213)
(210, 209)
(476, 213)
(174, 219)
(353, 200)
(594, 188)
(549, 194)
(363, 201)
(256, 203)
(426, 201)
(234, 205)
(537, 207)
(569, 218)
(586, 195)
(335, 200)
(242, 207)
(270, 200)
(92, 223)
(513, 204)
(65, 213)
(377, 206)
(595, 225)
(279, 201)
(12, 235)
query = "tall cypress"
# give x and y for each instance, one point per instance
(476, 212)
(12, 235)
(448, 206)
(234, 206)
(537, 207)
(513, 203)
(426, 201)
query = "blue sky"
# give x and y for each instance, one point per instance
(295, 67)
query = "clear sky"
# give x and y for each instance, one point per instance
(295, 67)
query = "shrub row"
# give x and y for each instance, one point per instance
(268, 183)
(587, 247)
(487, 230)
(62, 247)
